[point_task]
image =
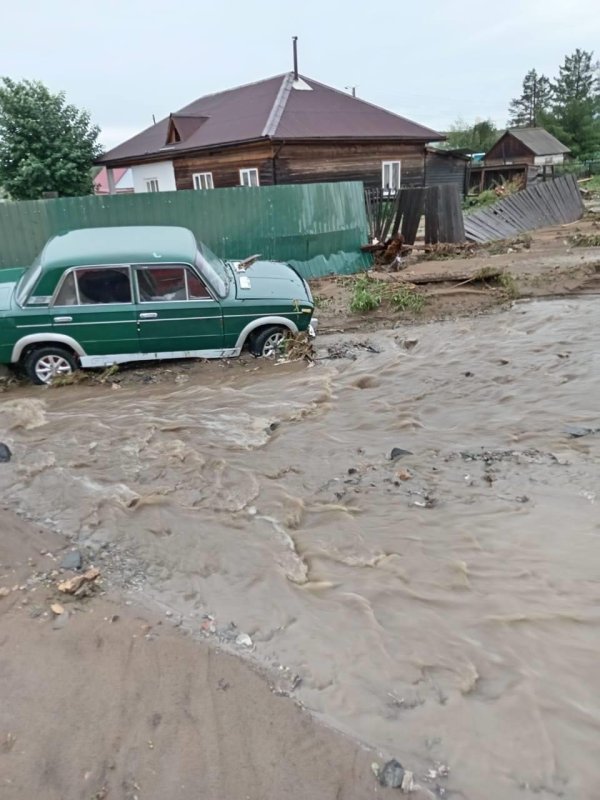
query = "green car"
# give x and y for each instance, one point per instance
(103, 296)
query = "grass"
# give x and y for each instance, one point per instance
(368, 294)
(406, 299)
(509, 285)
(585, 240)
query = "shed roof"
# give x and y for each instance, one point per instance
(134, 244)
(539, 141)
(277, 108)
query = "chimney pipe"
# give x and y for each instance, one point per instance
(295, 41)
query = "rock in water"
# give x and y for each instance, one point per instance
(398, 452)
(5, 454)
(392, 774)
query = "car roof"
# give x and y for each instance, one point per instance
(131, 244)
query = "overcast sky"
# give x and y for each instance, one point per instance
(434, 61)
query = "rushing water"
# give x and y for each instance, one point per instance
(444, 606)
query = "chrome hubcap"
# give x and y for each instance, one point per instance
(50, 366)
(272, 347)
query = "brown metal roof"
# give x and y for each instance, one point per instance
(276, 108)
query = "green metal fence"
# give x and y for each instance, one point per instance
(317, 227)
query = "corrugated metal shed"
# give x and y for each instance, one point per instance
(443, 167)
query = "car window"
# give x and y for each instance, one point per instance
(67, 294)
(156, 284)
(99, 285)
(94, 286)
(196, 289)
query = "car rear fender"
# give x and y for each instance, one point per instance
(44, 338)
(263, 322)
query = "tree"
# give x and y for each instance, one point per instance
(477, 138)
(46, 145)
(575, 118)
(530, 108)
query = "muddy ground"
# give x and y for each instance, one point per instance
(105, 699)
(102, 699)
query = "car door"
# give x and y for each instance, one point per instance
(94, 306)
(176, 313)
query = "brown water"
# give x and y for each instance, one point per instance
(452, 617)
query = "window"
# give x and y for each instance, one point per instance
(156, 284)
(390, 175)
(203, 180)
(67, 294)
(152, 185)
(94, 285)
(102, 285)
(249, 177)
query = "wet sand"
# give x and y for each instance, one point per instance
(111, 701)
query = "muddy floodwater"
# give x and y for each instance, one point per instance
(443, 607)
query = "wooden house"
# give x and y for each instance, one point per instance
(524, 153)
(282, 130)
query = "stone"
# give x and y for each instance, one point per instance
(398, 452)
(391, 774)
(72, 560)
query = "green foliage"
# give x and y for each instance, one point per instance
(46, 145)
(368, 294)
(568, 107)
(585, 240)
(477, 138)
(535, 101)
(509, 285)
(406, 299)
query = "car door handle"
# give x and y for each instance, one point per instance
(149, 315)
(63, 319)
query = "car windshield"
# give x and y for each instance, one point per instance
(212, 270)
(27, 282)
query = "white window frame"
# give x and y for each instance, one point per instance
(246, 177)
(152, 184)
(390, 187)
(203, 180)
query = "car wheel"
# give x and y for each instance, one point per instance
(268, 342)
(43, 364)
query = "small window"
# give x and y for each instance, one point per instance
(99, 286)
(196, 289)
(158, 284)
(203, 180)
(390, 175)
(67, 294)
(249, 177)
(152, 185)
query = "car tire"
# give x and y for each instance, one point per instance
(267, 342)
(42, 364)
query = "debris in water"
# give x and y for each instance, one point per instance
(574, 431)
(403, 475)
(57, 609)
(4, 591)
(243, 640)
(5, 454)
(398, 452)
